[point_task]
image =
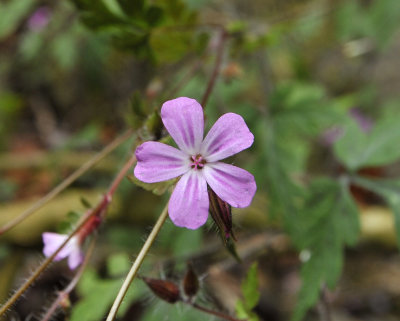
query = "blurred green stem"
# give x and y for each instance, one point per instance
(136, 265)
(100, 210)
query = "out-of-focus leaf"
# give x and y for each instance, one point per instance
(160, 310)
(187, 241)
(157, 188)
(302, 107)
(118, 264)
(328, 222)
(154, 15)
(11, 14)
(170, 45)
(379, 20)
(180, 241)
(357, 149)
(251, 295)
(98, 295)
(132, 8)
(64, 50)
(250, 287)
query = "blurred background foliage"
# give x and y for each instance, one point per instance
(317, 82)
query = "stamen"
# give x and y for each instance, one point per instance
(197, 162)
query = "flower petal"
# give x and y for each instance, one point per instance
(52, 241)
(184, 119)
(188, 206)
(75, 258)
(157, 162)
(232, 184)
(228, 136)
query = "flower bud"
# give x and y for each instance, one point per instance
(190, 282)
(222, 215)
(165, 290)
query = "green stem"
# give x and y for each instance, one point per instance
(100, 209)
(136, 265)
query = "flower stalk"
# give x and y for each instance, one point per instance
(100, 210)
(138, 262)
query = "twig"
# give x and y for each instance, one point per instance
(217, 66)
(100, 208)
(65, 183)
(136, 265)
(64, 293)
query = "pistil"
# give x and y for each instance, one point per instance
(197, 162)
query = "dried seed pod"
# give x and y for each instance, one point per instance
(190, 282)
(164, 289)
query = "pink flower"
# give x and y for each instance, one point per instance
(72, 249)
(39, 19)
(197, 160)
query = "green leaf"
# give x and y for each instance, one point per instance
(302, 107)
(357, 149)
(132, 8)
(326, 224)
(11, 14)
(157, 188)
(251, 295)
(98, 295)
(118, 264)
(250, 287)
(170, 45)
(154, 15)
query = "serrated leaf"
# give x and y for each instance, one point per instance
(328, 222)
(157, 188)
(357, 149)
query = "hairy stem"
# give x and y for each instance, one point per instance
(100, 209)
(64, 293)
(136, 265)
(65, 183)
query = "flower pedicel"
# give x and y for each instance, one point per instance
(197, 161)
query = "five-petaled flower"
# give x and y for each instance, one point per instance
(197, 161)
(72, 249)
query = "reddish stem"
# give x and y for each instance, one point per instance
(217, 66)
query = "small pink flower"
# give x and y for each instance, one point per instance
(72, 249)
(197, 161)
(39, 19)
